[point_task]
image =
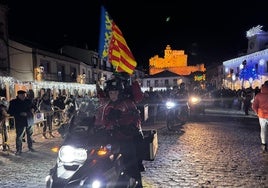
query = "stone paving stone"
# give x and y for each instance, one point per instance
(222, 152)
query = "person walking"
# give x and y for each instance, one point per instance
(260, 107)
(22, 109)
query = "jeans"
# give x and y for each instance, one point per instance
(47, 124)
(19, 136)
(263, 124)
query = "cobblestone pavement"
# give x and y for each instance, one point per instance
(30, 169)
(206, 152)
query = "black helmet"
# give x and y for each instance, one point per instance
(182, 85)
(123, 77)
(113, 85)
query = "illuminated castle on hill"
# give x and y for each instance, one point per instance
(173, 61)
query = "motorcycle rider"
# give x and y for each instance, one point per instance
(180, 95)
(120, 112)
(183, 92)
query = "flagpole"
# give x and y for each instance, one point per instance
(102, 31)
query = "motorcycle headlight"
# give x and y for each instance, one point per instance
(195, 100)
(93, 183)
(170, 104)
(96, 184)
(70, 154)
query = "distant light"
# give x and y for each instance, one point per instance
(261, 62)
(168, 19)
(233, 77)
(254, 30)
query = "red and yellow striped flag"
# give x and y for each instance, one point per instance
(113, 46)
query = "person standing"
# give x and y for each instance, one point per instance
(22, 109)
(247, 100)
(45, 106)
(3, 120)
(260, 107)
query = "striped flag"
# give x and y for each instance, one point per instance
(113, 47)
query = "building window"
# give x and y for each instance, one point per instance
(59, 76)
(73, 74)
(61, 72)
(89, 79)
(94, 61)
(175, 82)
(46, 64)
(166, 82)
(95, 76)
(148, 83)
(156, 83)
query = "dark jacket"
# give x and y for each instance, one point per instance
(17, 107)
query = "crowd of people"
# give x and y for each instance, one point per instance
(22, 109)
(117, 107)
(118, 102)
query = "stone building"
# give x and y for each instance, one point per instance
(174, 61)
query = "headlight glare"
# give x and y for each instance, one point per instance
(195, 100)
(69, 154)
(96, 184)
(170, 104)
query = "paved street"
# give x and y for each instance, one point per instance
(209, 154)
(209, 151)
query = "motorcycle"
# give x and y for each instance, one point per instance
(89, 157)
(178, 113)
(196, 105)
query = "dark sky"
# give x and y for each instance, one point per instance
(209, 31)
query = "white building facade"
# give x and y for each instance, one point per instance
(250, 70)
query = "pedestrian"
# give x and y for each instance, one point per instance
(119, 111)
(3, 125)
(247, 101)
(260, 107)
(22, 109)
(45, 106)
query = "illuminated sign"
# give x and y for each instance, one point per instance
(200, 77)
(254, 31)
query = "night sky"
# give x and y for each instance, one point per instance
(209, 31)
